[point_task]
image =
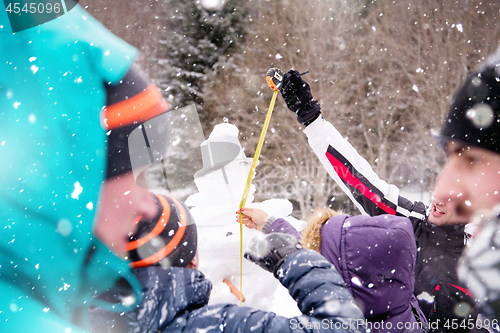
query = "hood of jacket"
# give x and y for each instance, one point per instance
(167, 293)
(54, 148)
(376, 258)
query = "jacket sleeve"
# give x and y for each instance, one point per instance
(354, 175)
(282, 226)
(312, 281)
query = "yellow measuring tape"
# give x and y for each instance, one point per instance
(250, 178)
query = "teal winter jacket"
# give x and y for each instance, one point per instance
(53, 155)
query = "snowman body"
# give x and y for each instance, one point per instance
(220, 190)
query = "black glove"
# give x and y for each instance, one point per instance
(298, 98)
(269, 251)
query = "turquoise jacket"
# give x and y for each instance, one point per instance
(53, 154)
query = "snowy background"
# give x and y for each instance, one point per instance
(379, 69)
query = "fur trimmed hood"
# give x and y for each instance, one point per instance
(311, 235)
(376, 258)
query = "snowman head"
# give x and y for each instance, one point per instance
(222, 179)
(221, 149)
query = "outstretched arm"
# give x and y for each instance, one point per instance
(318, 288)
(349, 170)
(321, 296)
(355, 176)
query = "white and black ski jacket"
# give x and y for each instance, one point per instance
(437, 287)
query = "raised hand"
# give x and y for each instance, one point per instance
(252, 218)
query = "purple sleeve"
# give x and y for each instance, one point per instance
(282, 226)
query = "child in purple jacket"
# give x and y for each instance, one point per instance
(375, 256)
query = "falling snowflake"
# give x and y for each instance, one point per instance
(77, 191)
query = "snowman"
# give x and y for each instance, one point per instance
(220, 184)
